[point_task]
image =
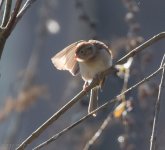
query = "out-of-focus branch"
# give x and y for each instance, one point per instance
(6, 14)
(157, 108)
(24, 99)
(95, 82)
(55, 137)
(84, 16)
(98, 132)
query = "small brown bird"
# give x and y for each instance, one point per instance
(88, 58)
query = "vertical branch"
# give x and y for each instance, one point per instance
(27, 85)
(157, 109)
(9, 26)
(6, 14)
(11, 22)
(28, 91)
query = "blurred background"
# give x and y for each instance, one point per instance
(31, 89)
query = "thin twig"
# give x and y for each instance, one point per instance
(142, 47)
(25, 7)
(98, 132)
(56, 136)
(77, 98)
(6, 14)
(157, 109)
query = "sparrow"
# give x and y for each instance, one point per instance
(89, 58)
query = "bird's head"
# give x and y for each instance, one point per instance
(85, 51)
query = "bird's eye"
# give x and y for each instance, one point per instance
(81, 52)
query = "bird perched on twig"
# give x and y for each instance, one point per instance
(88, 58)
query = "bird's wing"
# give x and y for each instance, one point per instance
(64, 60)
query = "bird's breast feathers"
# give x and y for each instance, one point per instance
(88, 70)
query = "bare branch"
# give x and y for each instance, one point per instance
(5, 32)
(6, 14)
(36, 133)
(95, 82)
(12, 20)
(157, 108)
(24, 9)
(142, 47)
(56, 136)
(11, 23)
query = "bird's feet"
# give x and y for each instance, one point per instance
(85, 86)
(98, 77)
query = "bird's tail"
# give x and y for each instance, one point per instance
(93, 103)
